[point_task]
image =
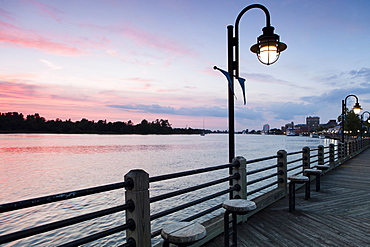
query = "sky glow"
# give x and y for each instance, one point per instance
(133, 60)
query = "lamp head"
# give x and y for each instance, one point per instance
(268, 46)
(357, 108)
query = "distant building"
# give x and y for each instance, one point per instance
(289, 129)
(266, 128)
(312, 122)
(329, 124)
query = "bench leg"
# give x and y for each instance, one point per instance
(291, 196)
(318, 182)
(226, 228)
(307, 191)
(235, 237)
(166, 243)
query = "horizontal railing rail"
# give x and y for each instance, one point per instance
(267, 179)
(8, 207)
(62, 196)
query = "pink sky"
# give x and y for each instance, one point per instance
(130, 60)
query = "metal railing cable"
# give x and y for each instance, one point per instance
(191, 172)
(61, 197)
(129, 225)
(189, 204)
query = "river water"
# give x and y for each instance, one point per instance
(34, 165)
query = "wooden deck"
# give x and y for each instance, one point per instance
(338, 215)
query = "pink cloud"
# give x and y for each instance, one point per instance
(112, 52)
(137, 80)
(7, 15)
(154, 40)
(47, 10)
(12, 35)
(167, 90)
(158, 41)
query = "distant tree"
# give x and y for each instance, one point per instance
(276, 132)
(13, 122)
(35, 123)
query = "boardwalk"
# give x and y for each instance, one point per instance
(338, 215)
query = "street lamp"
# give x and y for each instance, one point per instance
(268, 50)
(356, 109)
(362, 120)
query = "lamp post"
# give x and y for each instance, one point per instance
(268, 50)
(362, 120)
(356, 109)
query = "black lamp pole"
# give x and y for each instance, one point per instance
(268, 49)
(356, 109)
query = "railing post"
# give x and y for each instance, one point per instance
(340, 151)
(306, 158)
(282, 170)
(320, 154)
(242, 181)
(350, 148)
(345, 152)
(358, 145)
(331, 154)
(354, 148)
(139, 195)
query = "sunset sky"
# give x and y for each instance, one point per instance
(123, 60)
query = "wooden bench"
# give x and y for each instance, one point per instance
(296, 180)
(182, 233)
(322, 167)
(235, 207)
(308, 173)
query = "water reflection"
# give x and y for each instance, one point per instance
(33, 165)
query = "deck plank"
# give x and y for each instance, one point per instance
(338, 215)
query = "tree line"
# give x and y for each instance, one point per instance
(14, 122)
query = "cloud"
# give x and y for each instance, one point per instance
(153, 40)
(7, 15)
(363, 73)
(50, 64)
(288, 110)
(146, 39)
(48, 10)
(264, 78)
(17, 90)
(113, 53)
(349, 78)
(336, 96)
(12, 35)
(215, 111)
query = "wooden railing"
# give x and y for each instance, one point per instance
(262, 180)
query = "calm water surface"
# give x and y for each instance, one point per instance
(34, 165)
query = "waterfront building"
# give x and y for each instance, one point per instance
(330, 124)
(265, 129)
(312, 122)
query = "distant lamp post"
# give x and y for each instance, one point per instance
(362, 120)
(356, 109)
(268, 49)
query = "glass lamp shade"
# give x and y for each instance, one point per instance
(357, 108)
(268, 46)
(368, 120)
